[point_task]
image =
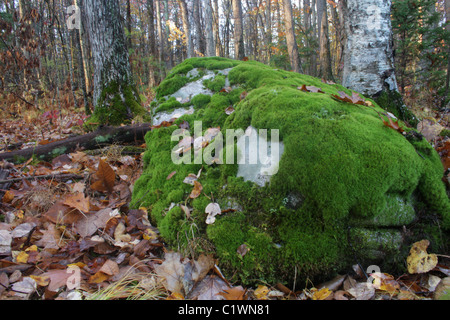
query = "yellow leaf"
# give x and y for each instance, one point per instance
(22, 257)
(322, 294)
(8, 197)
(419, 261)
(78, 264)
(99, 277)
(41, 281)
(175, 296)
(33, 248)
(261, 292)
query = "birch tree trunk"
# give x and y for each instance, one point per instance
(368, 54)
(290, 37)
(238, 30)
(115, 96)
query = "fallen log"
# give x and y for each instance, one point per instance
(93, 140)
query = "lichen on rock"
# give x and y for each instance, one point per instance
(345, 185)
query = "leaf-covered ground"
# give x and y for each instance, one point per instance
(67, 232)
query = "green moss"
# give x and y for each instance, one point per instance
(216, 84)
(347, 166)
(392, 101)
(200, 100)
(171, 85)
(170, 104)
(116, 105)
(212, 63)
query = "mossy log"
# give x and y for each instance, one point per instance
(93, 140)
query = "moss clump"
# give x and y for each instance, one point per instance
(170, 104)
(347, 168)
(117, 104)
(201, 100)
(392, 101)
(171, 85)
(216, 84)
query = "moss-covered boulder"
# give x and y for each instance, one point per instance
(346, 187)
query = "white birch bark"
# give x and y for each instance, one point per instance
(368, 54)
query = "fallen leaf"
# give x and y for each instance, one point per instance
(58, 278)
(8, 197)
(323, 294)
(362, 291)
(354, 99)
(186, 211)
(190, 179)
(313, 89)
(419, 261)
(235, 293)
(61, 214)
(201, 267)
(385, 282)
(98, 277)
(110, 268)
(261, 292)
(171, 175)
(196, 191)
(391, 124)
(90, 223)
(209, 289)
(106, 176)
(212, 210)
(41, 281)
(172, 270)
(243, 249)
(22, 257)
(77, 201)
(229, 110)
(341, 295)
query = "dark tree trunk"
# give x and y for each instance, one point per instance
(115, 96)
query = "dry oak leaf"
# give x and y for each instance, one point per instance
(235, 293)
(419, 261)
(107, 178)
(110, 268)
(78, 201)
(313, 89)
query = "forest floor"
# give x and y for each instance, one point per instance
(67, 231)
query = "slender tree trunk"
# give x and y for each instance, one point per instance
(447, 84)
(129, 28)
(324, 41)
(368, 61)
(210, 46)
(290, 38)
(115, 95)
(162, 42)
(200, 38)
(268, 35)
(219, 49)
(187, 28)
(238, 30)
(152, 43)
